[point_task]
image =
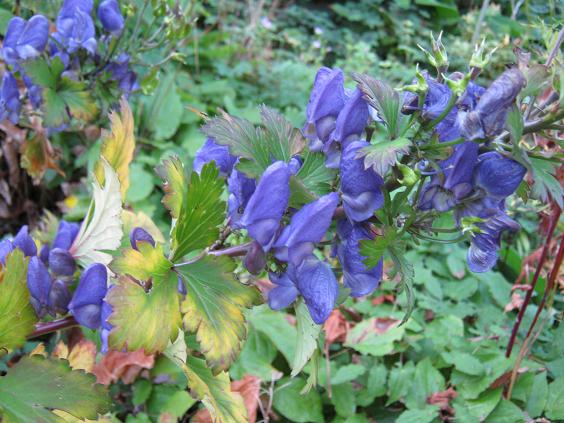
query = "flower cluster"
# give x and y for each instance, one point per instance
(73, 42)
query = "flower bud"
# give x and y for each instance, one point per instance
(139, 234)
(25, 242)
(39, 285)
(479, 60)
(437, 57)
(61, 262)
(59, 297)
(6, 247)
(110, 16)
(86, 303)
(409, 176)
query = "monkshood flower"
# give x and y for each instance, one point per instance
(10, 104)
(120, 72)
(498, 175)
(6, 247)
(39, 285)
(240, 190)
(25, 242)
(66, 233)
(110, 16)
(25, 39)
(454, 182)
(219, 154)
(255, 259)
(326, 100)
(59, 297)
(360, 187)
(356, 276)
(139, 234)
(314, 280)
(75, 28)
(488, 117)
(307, 227)
(61, 262)
(86, 303)
(268, 203)
(436, 100)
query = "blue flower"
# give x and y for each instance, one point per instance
(240, 190)
(120, 71)
(497, 175)
(6, 247)
(352, 118)
(10, 104)
(25, 40)
(307, 227)
(285, 291)
(59, 297)
(39, 285)
(255, 259)
(219, 154)
(61, 262)
(34, 92)
(86, 303)
(139, 234)
(361, 188)
(110, 16)
(66, 233)
(267, 205)
(436, 100)
(24, 242)
(360, 279)
(75, 28)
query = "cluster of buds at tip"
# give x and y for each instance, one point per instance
(458, 82)
(419, 85)
(480, 59)
(437, 57)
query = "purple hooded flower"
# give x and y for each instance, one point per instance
(436, 100)
(139, 234)
(110, 16)
(285, 292)
(24, 242)
(120, 71)
(488, 117)
(66, 233)
(240, 190)
(255, 259)
(307, 227)
(10, 104)
(360, 279)
(75, 28)
(497, 175)
(352, 119)
(6, 247)
(447, 188)
(59, 297)
(25, 40)
(39, 285)
(61, 262)
(326, 100)
(267, 204)
(361, 188)
(86, 303)
(211, 151)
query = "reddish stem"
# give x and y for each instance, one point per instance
(528, 296)
(55, 325)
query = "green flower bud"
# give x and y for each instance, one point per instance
(410, 177)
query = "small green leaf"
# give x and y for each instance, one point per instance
(506, 412)
(425, 415)
(312, 180)
(407, 275)
(383, 155)
(295, 406)
(344, 399)
(374, 249)
(306, 342)
(538, 395)
(36, 385)
(554, 404)
(546, 185)
(175, 185)
(464, 362)
(17, 317)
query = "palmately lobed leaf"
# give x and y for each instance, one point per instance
(383, 155)
(214, 307)
(313, 180)
(175, 185)
(118, 146)
(144, 263)
(17, 317)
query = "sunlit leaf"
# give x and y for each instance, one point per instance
(175, 185)
(118, 146)
(213, 308)
(145, 263)
(36, 385)
(17, 317)
(101, 229)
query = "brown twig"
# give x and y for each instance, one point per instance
(55, 325)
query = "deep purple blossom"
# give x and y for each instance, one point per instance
(59, 297)
(61, 262)
(285, 291)
(34, 91)
(361, 188)
(360, 279)
(86, 303)
(75, 28)
(25, 39)
(139, 234)
(6, 247)
(211, 151)
(240, 190)
(39, 285)
(268, 203)
(120, 71)
(498, 175)
(255, 259)
(25, 242)
(66, 233)
(10, 104)
(307, 227)
(110, 16)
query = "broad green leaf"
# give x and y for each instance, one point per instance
(17, 317)
(399, 382)
(306, 342)
(101, 229)
(482, 406)
(175, 185)
(36, 385)
(118, 146)
(538, 395)
(464, 362)
(213, 308)
(425, 415)
(426, 381)
(312, 180)
(375, 385)
(374, 249)
(296, 406)
(168, 400)
(365, 340)
(554, 404)
(255, 358)
(279, 331)
(41, 73)
(201, 213)
(164, 113)
(142, 319)
(382, 156)
(347, 373)
(506, 412)
(344, 399)
(546, 185)
(144, 264)
(284, 141)
(215, 392)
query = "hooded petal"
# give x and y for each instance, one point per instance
(267, 204)
(284, 293)
(255, 260)
(240, 190)
(211, 151)
(6, 247)
(25, 40)
(86, 303)
(39, 285)
(25, 242)
(139, 234)
(66, 234)
(59, 297)
(110, 15)
(352, 119)
(61, 262)
(498, 175)
(436, 100)
(10, 103)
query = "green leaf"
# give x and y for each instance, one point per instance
(312, 180)
(374, 249)
(464, 362)
(407, 275)
(306, 341)
(400, 381)
(213, 308)
(546, 185)
(554, 404)
(36, 385)
(255, 358)
(169, 400)
(383, 155)
(384, 99)
(506, 412)
(201, 213)
(141, 391)
(365, 340)
(142, 319)
(375, 385)
(42, 74)
(426, 381)
(347, 373)
(426, 415)
(482, 406)
(344, 399)
(515, 125)
(164, 113)
(295, 406)
(175, 185)
(215, 392)
(144, 263)
(17, 317)
(536, 400)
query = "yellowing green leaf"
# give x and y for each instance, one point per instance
(118, 146)
(201, 213)
(36, 385)
(175, 185)
(101, 229)
(133, 220)
(142, 319)
(17, 317)
(146, 263)
(224, 405)
(213, 308)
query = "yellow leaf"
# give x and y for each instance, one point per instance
(141, 220)
(82, 356)
(118, 146)
(146, 263)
